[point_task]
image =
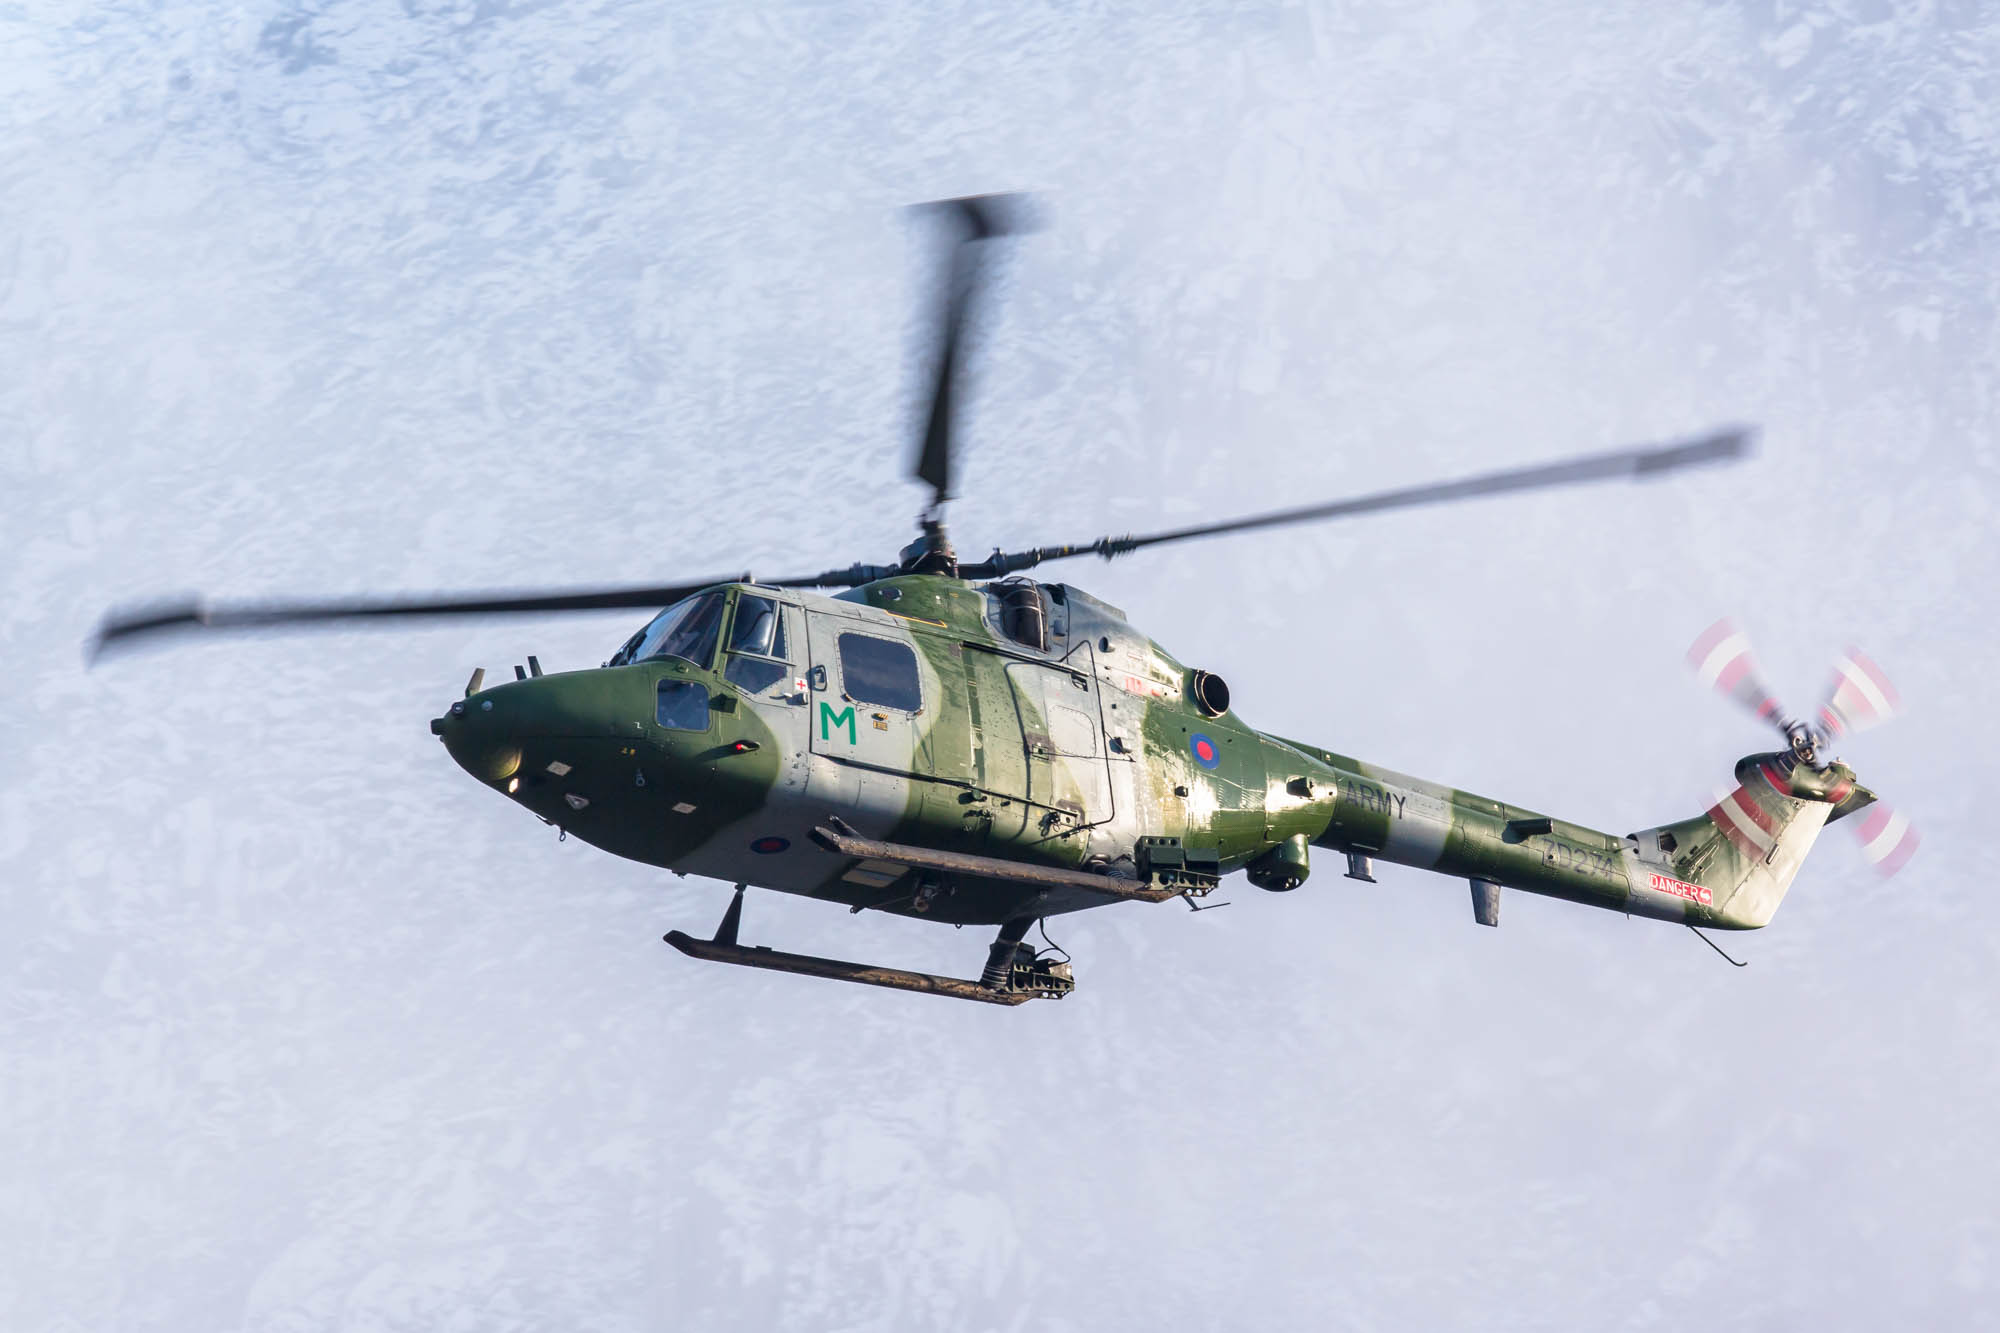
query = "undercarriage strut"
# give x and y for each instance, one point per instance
(1006, 947)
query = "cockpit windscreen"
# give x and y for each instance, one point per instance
(687, 630)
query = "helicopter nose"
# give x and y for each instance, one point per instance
(492, 733)
(487, 747)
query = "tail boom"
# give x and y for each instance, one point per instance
(1727, 868)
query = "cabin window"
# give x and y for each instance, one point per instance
(683, 705)
(880, 671)
(757, 656)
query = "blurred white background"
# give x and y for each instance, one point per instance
(302, 1029)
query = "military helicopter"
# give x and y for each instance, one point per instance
(951, 741)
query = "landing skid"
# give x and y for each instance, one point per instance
(1013, 974)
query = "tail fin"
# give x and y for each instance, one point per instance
(1729, 867)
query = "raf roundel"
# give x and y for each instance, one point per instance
(767, 846)
(1204, 750)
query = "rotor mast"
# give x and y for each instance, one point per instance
(976, 219)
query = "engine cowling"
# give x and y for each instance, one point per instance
(1210, 691)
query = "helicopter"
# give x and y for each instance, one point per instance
(951, 740)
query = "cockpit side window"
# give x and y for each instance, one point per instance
(757, 656)
(682, 706)
(758, 628)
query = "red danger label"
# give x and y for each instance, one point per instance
(1680, 888)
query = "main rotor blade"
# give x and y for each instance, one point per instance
(1636, 464)
(135, 625)
(982, 217)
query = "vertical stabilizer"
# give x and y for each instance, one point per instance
(1729, 867)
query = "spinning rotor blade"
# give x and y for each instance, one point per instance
(126, 629)
(1636, 464)
(1721, 656)
(982, 217)
(1859, 697)
(1887, 838)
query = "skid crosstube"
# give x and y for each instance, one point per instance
(835, 836)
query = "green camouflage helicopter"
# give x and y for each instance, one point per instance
(952, 741)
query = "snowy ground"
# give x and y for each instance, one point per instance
(301, 1029)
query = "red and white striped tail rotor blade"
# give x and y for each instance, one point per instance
(1859, 697)
(1887, 837)
(1746, 824)
(1721, 656)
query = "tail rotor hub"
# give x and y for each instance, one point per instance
(1804, 745)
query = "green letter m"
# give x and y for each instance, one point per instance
(829, 719)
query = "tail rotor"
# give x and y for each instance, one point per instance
(1887, 838)
(1721, 656)
(1860, 696)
